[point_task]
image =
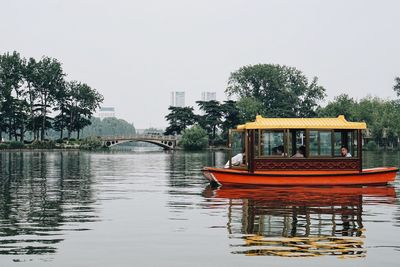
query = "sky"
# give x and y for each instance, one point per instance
(136, 52)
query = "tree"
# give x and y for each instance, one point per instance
(79, 109)
(32, 96)
(12, 107)
(194, 138)
(382, 116)
(283, 91)
(342, 105)
(30, 89)
(396, 87)
(249, 108)
(212, 117)
(231, 117)
(49, 77)
(179, 119)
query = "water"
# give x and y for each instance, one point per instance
(155, 209)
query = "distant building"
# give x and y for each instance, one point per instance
(106, 112)
(208, 96)
(178, 99)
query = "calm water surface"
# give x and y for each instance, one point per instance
(156, 209)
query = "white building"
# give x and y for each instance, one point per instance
(208, 96)
(178, 99)
(106, 112)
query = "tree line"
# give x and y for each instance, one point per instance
(280, 91)
(35, 97)
(381, 115)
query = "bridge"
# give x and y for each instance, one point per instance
(167, 142)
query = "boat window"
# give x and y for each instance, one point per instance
(272, 143)
(238, 143)
(297, 143)
(347, 138)
(354, 148)
(320, 143)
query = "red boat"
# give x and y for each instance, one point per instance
(300, 152)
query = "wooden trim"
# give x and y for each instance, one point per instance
(307, 143)
(218, 170)
(307, 164)
(333, 142)
(359, 147)
(251, 151)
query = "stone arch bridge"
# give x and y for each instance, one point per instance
(167, 142)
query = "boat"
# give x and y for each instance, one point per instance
(298, 152)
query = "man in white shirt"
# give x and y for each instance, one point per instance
(236, 160)
(345, 152)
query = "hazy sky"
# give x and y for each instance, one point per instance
(136, 52)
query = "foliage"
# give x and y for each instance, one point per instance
(231, 118)
(108, 126)
(15, 145)
(396, 87)
(194, 138)
(38, 144)
(342, 105)
(211, 119)
(30, 90)
(283, 91)
(372, 146)
(179, 119)
(382, 116)
(91, 143)
(4, 146)
(249, 108)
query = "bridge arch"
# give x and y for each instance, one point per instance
(166, 142)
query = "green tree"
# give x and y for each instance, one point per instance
(31, 97)
(13, 105)
(396, 86)
(83, 102)
(49, 78)
(194, 138)
(341, 105)
(249, 108)
(231, 117)
(283, 91)
(108, 126)
(212, 118)
(179, 118)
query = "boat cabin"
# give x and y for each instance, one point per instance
(298, 144)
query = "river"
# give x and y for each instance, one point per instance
(154, 208)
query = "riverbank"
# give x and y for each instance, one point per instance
(91, 143)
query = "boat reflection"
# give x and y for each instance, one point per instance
(299, 222)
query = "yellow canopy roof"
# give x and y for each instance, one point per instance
(302, 123)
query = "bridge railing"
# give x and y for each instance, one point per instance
(141, 136)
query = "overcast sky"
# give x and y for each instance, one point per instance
(136, 52)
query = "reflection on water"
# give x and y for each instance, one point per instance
(299, 222)
(43, 195)
(122, 208)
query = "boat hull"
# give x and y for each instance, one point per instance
(301, 178)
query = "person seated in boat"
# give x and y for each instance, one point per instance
(301, 152)
(236, 160)
(278, 151)
(344, 152)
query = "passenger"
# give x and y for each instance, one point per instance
(301, 152)
(237, 160)
(280, 151)
(344, 152)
